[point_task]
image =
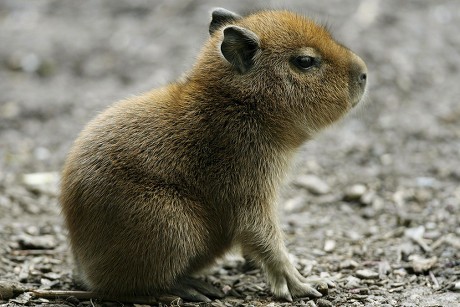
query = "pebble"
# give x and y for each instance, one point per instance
(329, 245)
(47, 182)
(30, 63)
(295, 204)
(310, 304)
(420, 264)
(384, 268)
(415, 233)
(348, 264)
(22, 299)
(456, 286)
(46, 284)
(352, 282)
(324, 303)
(36, 242)
(367, 274)
(226, 289)
(313, 184)
(355, 192)
(426, 182)
(52, 276)
(368, 197)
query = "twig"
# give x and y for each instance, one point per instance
(422, 244)
(86, 295)
(398, 289)
(434, 280)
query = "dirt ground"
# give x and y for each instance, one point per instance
(373, 202)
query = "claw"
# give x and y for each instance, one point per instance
(304, 290)
(315, 293)
(189, 294)
(282, 292)
(330, 283)
(288, 298)
(203, 287)
(196, 290)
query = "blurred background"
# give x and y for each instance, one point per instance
(394, 162)
(64, 61)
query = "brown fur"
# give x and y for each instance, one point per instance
(158, 186)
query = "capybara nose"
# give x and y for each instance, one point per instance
(358, 78)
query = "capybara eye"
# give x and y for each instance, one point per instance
(304, 62)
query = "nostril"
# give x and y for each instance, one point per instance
(362, 78)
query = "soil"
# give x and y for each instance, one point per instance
(372, 203)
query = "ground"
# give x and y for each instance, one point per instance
(373, 202)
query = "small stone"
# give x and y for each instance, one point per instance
(30, 62)
(355, 192)
(368, 198)
(384, 268)
(422, 196)
(48, 284)
(415, 233)
(313, 184)
(428, 182)
(348, 264)
(400, 272)
(226, 289)
(367, 274)
(23, 298)
(455, 286)
(37, 242)
(353, 235)
(329, 245)
(352, 282)
(310, 304)
(295, 204)
(47, 182)
(52, 276)
(324, 303)
(420, 264)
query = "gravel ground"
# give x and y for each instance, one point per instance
(373, 202)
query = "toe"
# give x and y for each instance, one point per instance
(304, 290)
(190, 294)
(204, 288)
(312, 292)
(281, 291)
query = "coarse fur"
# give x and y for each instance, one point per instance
(158, 186)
